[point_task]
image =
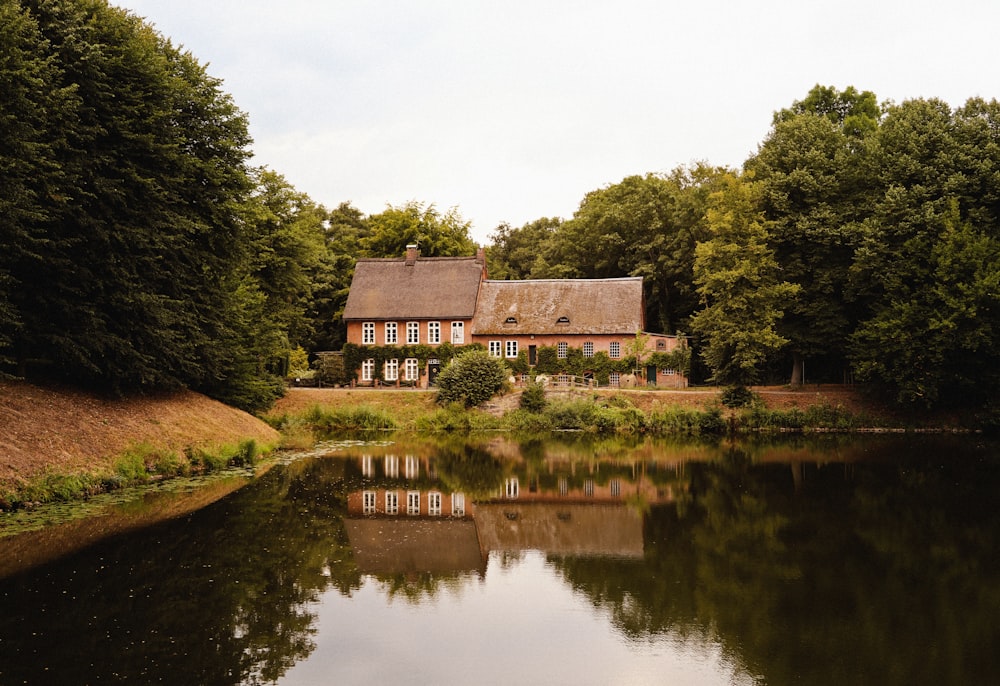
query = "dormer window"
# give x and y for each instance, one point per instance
(510, 320)
(562, 320)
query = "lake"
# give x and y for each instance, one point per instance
(566, 560)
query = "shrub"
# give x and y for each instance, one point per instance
(737, 396)
(533, 397)
(472, 378)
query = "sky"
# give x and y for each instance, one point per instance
(513, 111)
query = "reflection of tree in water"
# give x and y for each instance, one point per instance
(870, 573)
(219, 597)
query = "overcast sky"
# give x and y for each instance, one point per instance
(512, 111)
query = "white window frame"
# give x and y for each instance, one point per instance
(413, 503)
(588, 349)
(411, 470)
(392, 502)
(588, 488)
(368, 369)
(434, 333)
(496, 348)
(457, 504)
(614, 379)
(368, 499)
(391, 464)
(412, 333)
(391, 370)
(411, 371)
(615, 350)
(391, 333)
(511, 349)
(367, 466)
(616, 488)
(512, 488)
(434, 504)
(562, 350)
(368, 333)
(458, 333)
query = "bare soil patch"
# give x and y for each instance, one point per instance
(71, 431)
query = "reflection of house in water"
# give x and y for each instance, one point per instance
(404, 520)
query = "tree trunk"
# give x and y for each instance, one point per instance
(798, 370)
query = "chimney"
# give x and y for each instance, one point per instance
(481, 256)
(412, 253)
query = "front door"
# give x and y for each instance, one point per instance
(532, 355)
(433, 369)
(651, 375)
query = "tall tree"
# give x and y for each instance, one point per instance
(815, 182)
(738, 281)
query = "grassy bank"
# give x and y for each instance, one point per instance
(303, 416)
(62, 444)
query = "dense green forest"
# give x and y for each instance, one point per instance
(141, 249)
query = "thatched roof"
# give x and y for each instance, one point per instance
(560, 529)
(589, 306)
(429, 288)
(384, 545)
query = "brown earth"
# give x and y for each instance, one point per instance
(72, 431)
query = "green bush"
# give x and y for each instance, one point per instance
(472, 378)
(737, 396)
(533, 397)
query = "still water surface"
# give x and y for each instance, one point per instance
(835, 560)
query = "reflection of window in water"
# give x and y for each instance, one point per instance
(412, 467)
(458, 504)
(367, 466)
(391, 467)
(588, 488)
(563, 486)
(368, 506)
(513, 488)
(391, 502)
(616, 488)
(434, 504)
(413, 502)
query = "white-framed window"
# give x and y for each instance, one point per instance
(413, 502)
(512, 488)
(614, 350)
(588, 488)
(368, 370)
(616, 488)
(391, 333)
(391, 372)
(496, 348)
(412, 369)
(433, 332)
(412, 333)
(614, 379)
(368, 333)
(457, 504)
(511, 348)
(368, 502)
(367, 466)
(391, 467)
(458, 333)
(392, 502)
(412, 469)
(562, 349)
(563, 486)
(434, 504)
(668, 372)
(588, 349)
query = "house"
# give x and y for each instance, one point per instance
(430, 301)
(412, 301)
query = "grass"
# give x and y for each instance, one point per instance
(139, 465)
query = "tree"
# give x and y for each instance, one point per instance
(472, 378)
(737, 279)
(414, 223)
(815, 182)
